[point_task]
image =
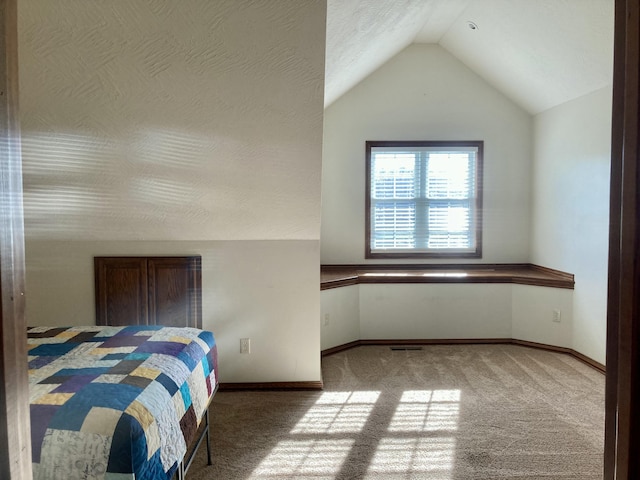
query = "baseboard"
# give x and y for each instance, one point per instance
(583, 358)
(541, 346)
(422, 341)
(340, 348)
(589, 361)
(437, 341)
(270, 386)
(471, 341)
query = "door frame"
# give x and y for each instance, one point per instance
(622, 428)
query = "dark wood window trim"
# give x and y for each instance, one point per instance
(334, 276)
(477, 252)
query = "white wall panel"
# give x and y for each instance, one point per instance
(447, 311)
(435, 311)
(570, 221)
(533, 315)
(339, 316)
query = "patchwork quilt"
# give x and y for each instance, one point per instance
(117, 403)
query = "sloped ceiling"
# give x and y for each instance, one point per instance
(113, 150)
(171, 120)
(539, 53)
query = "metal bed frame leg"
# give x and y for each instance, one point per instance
(180, 472)
(209, 460)
(184, 465)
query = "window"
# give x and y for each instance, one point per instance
(424, 199)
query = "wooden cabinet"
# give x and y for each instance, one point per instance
(149, 291)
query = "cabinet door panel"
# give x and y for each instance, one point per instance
(121, 291)
(174, 291)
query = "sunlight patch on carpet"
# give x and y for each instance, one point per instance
(408, 457)
(338, 412)
(418, 442)
(318, 459)
(427, 411)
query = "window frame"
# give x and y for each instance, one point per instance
(445, 253)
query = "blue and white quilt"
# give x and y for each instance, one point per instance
(117, 403)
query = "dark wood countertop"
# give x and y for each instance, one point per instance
(334, 276)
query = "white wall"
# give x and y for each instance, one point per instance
(433, 311)
(533, 319)
(570, 218)
(446, 311)
(264, 290)
(424, 93)
(172, 128)
(340, 316)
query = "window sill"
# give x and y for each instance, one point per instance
(334, 276)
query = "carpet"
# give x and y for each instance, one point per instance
(445, 412)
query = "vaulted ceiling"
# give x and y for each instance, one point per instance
(539, 53)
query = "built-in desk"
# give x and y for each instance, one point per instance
(418, 304)
(333, 276)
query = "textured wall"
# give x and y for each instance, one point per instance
(539, 53)
(172, 120)
(363, 35)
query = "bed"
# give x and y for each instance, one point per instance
(118, 403)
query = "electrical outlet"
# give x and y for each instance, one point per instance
(556, 316)
(245, 345)
(326, 319)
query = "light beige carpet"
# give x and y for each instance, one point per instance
(464, 412)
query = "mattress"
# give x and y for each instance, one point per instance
(117, 403)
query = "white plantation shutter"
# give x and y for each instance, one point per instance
(423, 198)
(394, 188)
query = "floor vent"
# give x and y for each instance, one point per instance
(406, 348)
